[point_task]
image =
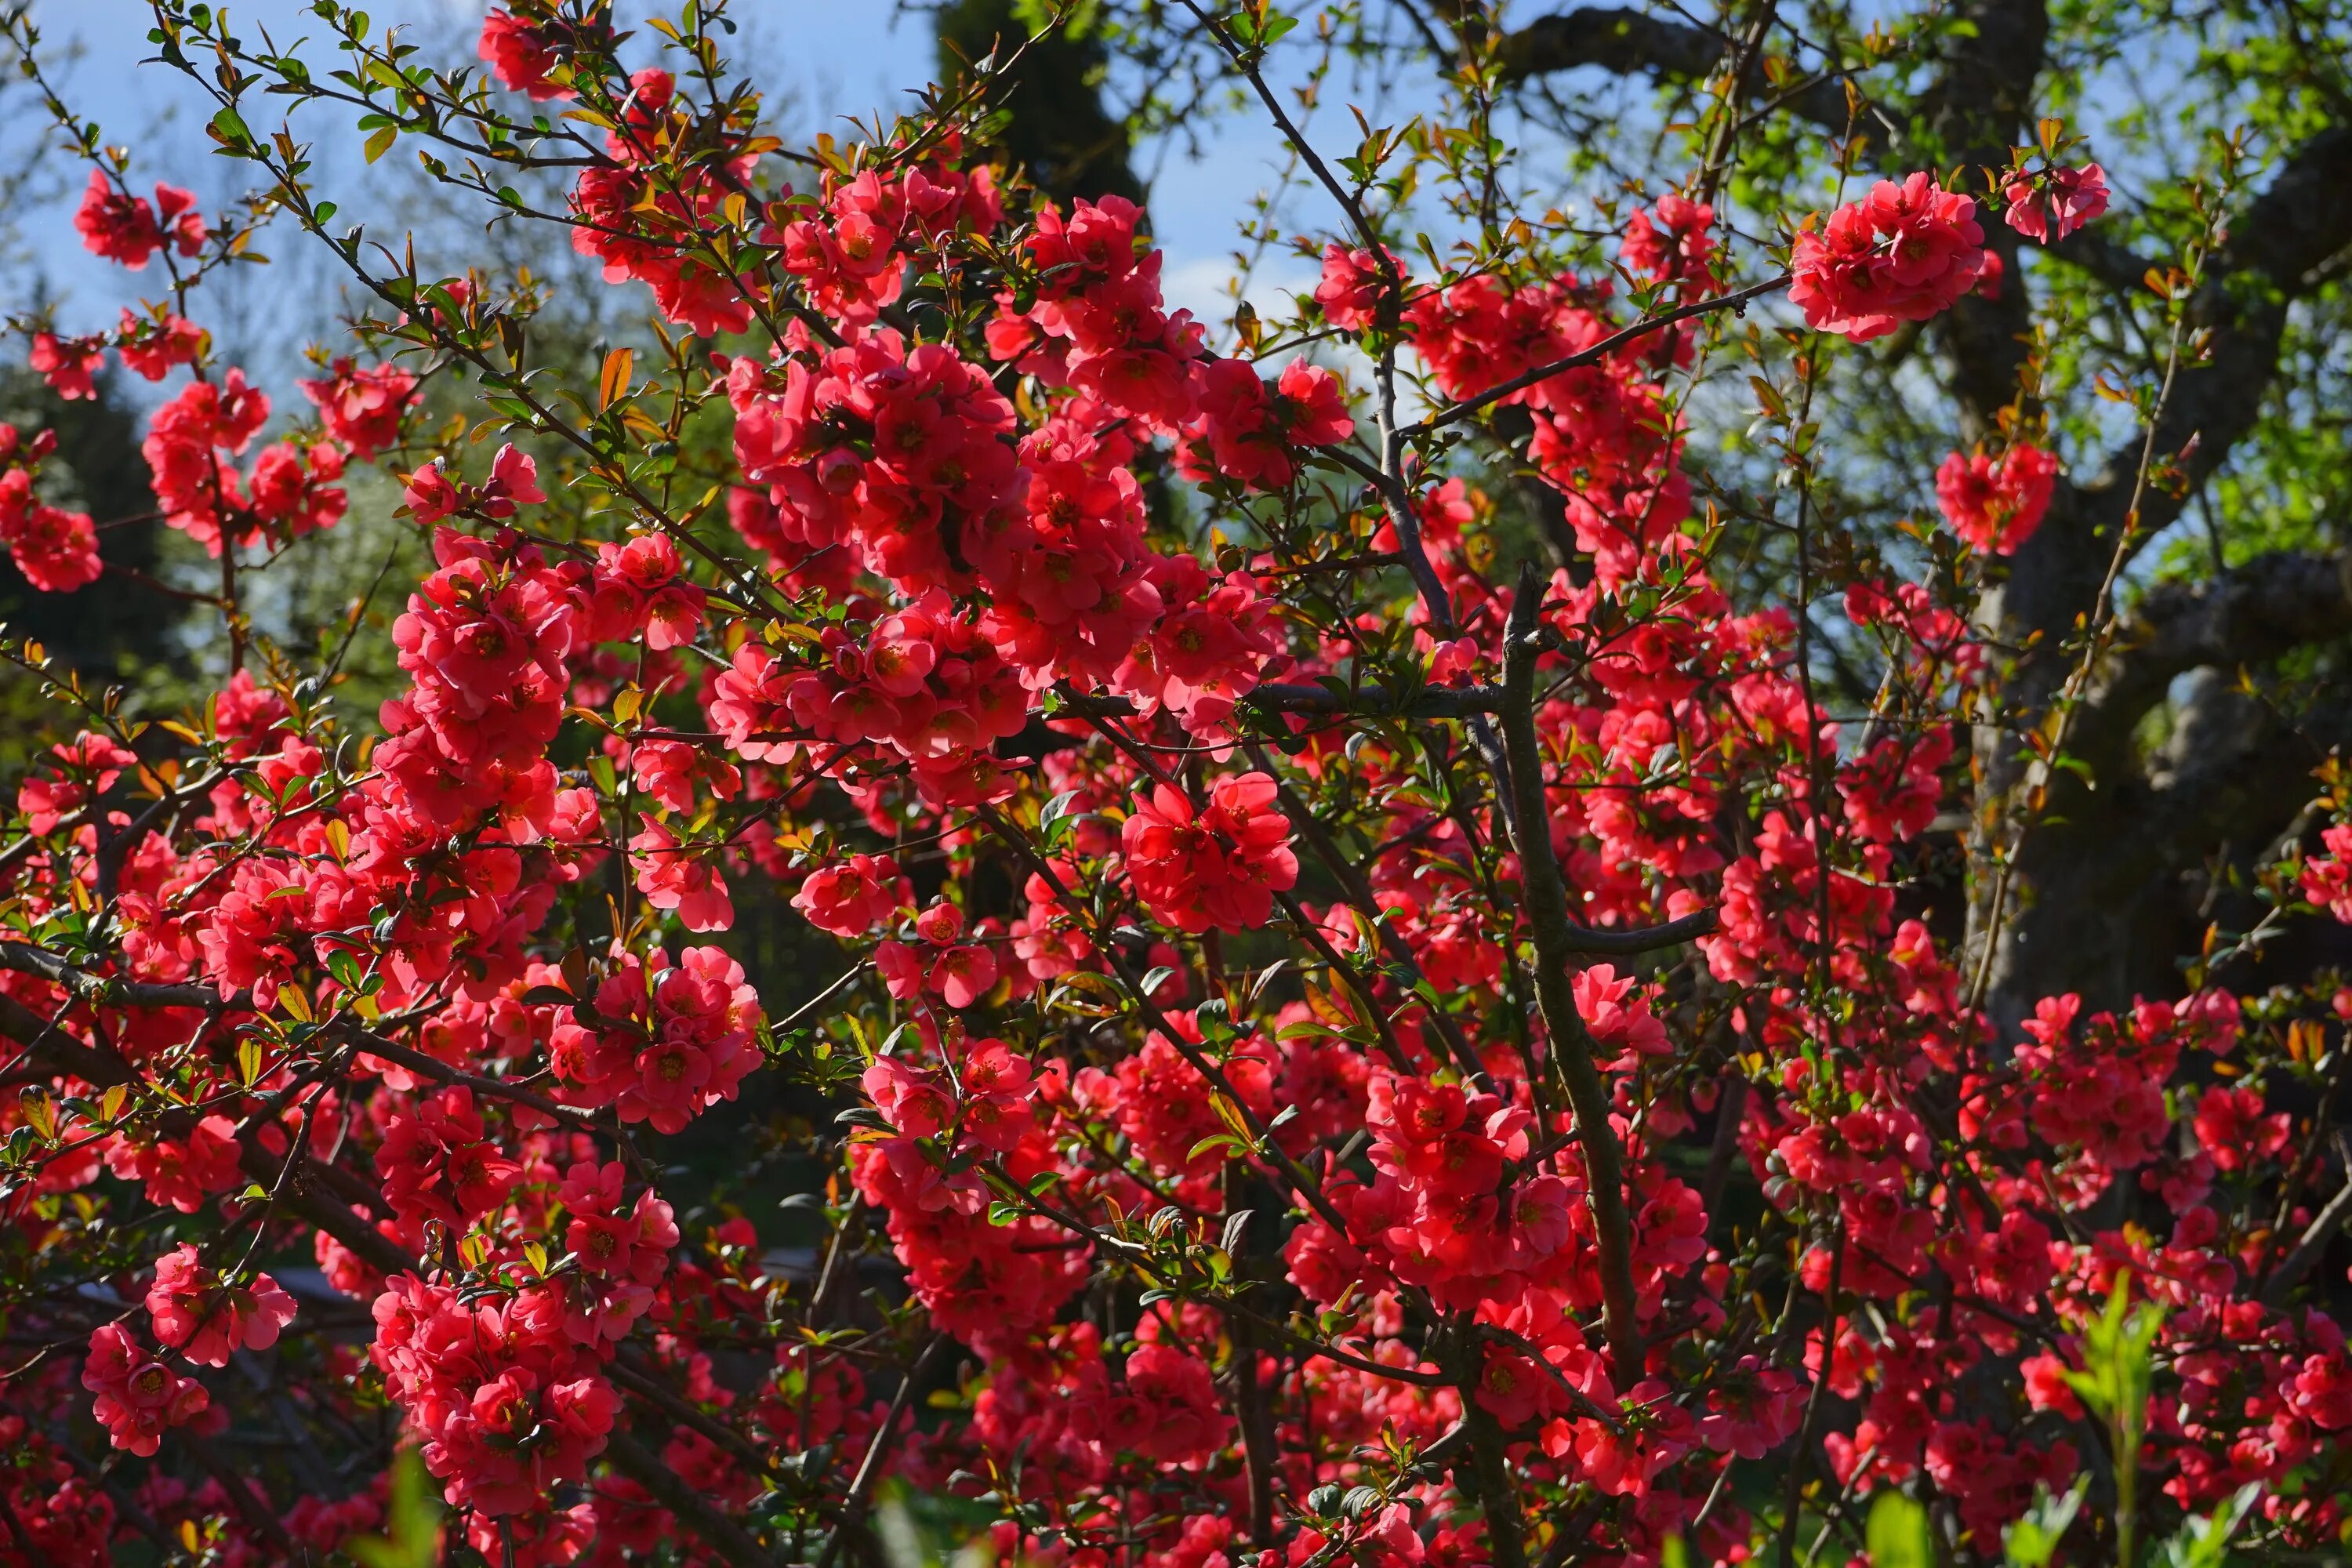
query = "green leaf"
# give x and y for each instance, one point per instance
(380, 143)
(2033, 1540)
(2205, 1543)
(416, 1518)
(1898, 1534)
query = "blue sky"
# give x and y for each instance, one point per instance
(831, 60)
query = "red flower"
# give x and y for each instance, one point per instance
(681, 877)
(1902, 253)
(68, 365)
(2057, 202)
(1219, 866)
(520, 56)
(2327, 876)
(1174, 1418)
(1995, 504)
(362, 408)
(664, 1050)
(138, 1396)
(115, 226)
(1352, 284)
(206, 1319)
(56, 550)
(1253, 433)
(151, 348)
(634, 1244)
(851, 897)
(2233, 1129)
(1674, 245)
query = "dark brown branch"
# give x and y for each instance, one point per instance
(2289, 234)
(2104, 257)
(1641, 938)
(244, 1495)
(718, 1532)
(869, 1469)
(2315, 1240)
(104, 1068)
(1280, 697)
(1616, 39)
(1497, 1492)
(1570, 1043)
(627, 1370)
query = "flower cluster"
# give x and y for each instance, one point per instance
(1217, 864)
(138, 1398)
(1321, 1022)
(662, 1047)
(2050, 206)
(1996, 503)
(509, 1404)
(206, 1318)
(1902, 253)
(56, 550)
(127, 228)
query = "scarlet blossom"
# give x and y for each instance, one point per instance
(1255, 433)
(206, 1318)
(1176, 1419)
(432, 495)
(1669, 242)
(362, 408)
(665, 1045)
(1220, 866)
(673, 875)
(70, 365)
(520, 56)
(429, 496)
(138, 1398)
(2327, 876)
(1618, 1016)
(632, 1243)
(1995, 504)
(911, 1102)
(1989, 281)
(200, 492)
(182, 1171)
(1351, 286)
(125, 228)
(2234, 1131)
(963, 974)
(56, 550)
(508, 1404)
(440, 1163)
(850, 896)
(151, 347)
(86, 766)
(2055, 203)
(1902, 253)
(644, 574)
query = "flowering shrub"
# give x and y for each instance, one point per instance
(1351, 1043)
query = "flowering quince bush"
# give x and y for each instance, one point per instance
(1352, 1043)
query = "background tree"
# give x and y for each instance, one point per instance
(1056, 128)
